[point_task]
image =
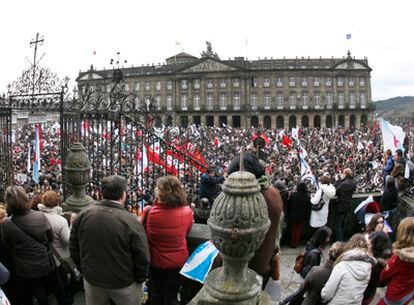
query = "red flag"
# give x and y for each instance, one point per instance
(155, 158)
(286, 141)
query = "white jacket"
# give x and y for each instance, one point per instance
(320, 218)
(60, 229)
(348, 279)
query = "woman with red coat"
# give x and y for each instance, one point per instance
(167, 224)
(398, 274)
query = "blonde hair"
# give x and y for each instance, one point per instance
(357, 241)
(405, 234)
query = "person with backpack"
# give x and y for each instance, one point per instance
(311, 257)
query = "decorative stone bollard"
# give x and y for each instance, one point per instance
(238, 223)
(76, 174)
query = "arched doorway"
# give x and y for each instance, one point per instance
(184, 121)
(341, 120)
(352, 120)
(364, 120)
(169, 121)
(254, 121)
(292, 121)
(267, 122)
(305, 121)
(329, 121)
(317, 121)
(280, 122)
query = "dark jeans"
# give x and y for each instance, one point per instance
(340, 227)
(40, 286)
(165, 284)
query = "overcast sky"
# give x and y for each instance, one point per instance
(147, 31)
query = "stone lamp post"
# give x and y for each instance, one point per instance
(76, 172)
(238, 223)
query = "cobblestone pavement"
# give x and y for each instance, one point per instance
(290, 281)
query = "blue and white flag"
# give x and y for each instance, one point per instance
(198, 265)
(29, 159)
(36, 164)
(392, 136)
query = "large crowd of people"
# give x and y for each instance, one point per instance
(41, 248)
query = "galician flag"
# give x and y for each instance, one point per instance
(392, 136)
(36, 164)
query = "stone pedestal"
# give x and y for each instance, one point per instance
(76, 174)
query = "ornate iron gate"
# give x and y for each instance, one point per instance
(5, 148)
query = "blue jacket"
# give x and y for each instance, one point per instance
(389, 165)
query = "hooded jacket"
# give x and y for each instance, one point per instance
(60, 229)
(398, 274)
(320, 218)
(349, 278)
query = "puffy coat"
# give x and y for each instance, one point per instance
(60, 229)
(344, 191)
(320, 218)
(349, 279)
(398, 274)
(31, 254)
(167, 228)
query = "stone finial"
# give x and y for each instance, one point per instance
(238, 223)
(76, 174)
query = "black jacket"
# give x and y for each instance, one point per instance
(312, 258)
(31, 254)
(344, 190)
(208, 186)
(314, 282)
(299, 206)
(110, 246)
(389, 199)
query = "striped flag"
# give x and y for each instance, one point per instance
(36, 164)
(29, 160)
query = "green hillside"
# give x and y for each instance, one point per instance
(396, 104)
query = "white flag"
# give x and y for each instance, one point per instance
(392, 136)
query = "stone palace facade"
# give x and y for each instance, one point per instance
(273, 93)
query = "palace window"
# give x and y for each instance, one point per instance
(169, 102)
(292, 99)
(209, 102)
(147, 86)
(253, 101)
(352, 100)
(184, 84)
(292, 82)
(266, 82)
(304, 81)
(316, 81)
(137, 87)
(169, 85)
(184, 102)
(340, 81)
(196, 102)
(158, 102)
(223, 83)
(236, 82)
(317, 99)
(328, 82)
(279, 99)
(267, 100)
(223, 101)
(351, 82)
(209, 83)
(236, 101)
(196, 84)
(341, 100)
(254, 82)
(305, 98)
(363, 99)
(329, 99)
(279, 82)
(362, 82)
(158, 85)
